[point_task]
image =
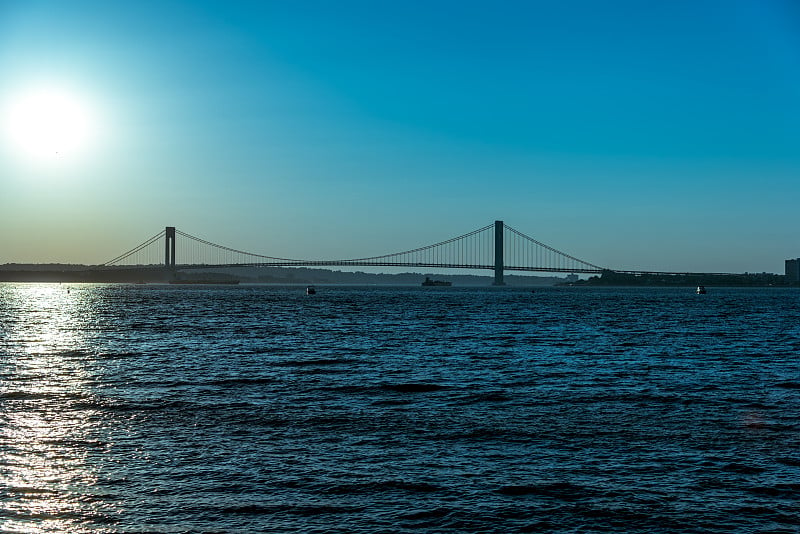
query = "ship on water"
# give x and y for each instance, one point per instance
(200, 281)
(429, 282)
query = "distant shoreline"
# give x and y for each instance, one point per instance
(57, 273)
(611, 278)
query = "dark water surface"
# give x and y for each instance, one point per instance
(261, 409)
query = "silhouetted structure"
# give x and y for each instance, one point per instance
(498, 253)
(169, 246)
(497, 247)
(792, 270)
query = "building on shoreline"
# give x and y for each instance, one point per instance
(792, 270)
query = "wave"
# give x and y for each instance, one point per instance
(489, 396)
(383, 486)
(413, 387)
(788, 490)
(314, 362)
(237, 381)
(735, 467)
(299, 509)
(557, 490)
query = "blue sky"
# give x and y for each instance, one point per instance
(635, 135)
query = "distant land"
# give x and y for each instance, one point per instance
(612, 278)
(14, 272)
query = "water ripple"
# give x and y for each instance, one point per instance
(228, 409)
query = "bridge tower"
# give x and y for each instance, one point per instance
(498, 253)
(169, 246)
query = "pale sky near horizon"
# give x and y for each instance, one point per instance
(633, 135)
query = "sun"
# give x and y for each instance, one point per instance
(49, 124)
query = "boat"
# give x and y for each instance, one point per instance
(310, 290)
(203, 282)
(701, 290)
(441, 283)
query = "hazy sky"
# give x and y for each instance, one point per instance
(634, 135)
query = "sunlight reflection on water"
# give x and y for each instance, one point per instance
(43, 465)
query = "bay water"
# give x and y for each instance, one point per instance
(251, 408)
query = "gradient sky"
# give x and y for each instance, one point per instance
(634, 135)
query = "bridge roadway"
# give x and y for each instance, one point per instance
(351, 263)
(348, 263)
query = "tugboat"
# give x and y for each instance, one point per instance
(701, 290)
(441, 283)
(310, 290)
(203, 281)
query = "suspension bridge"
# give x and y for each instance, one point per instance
(496, 247)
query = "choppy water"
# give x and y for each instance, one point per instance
(261, 409)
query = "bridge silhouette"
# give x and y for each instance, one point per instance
(496, 247)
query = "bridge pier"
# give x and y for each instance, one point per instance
(169, 246)
(498, 254)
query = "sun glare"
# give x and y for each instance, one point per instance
(49, 125)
